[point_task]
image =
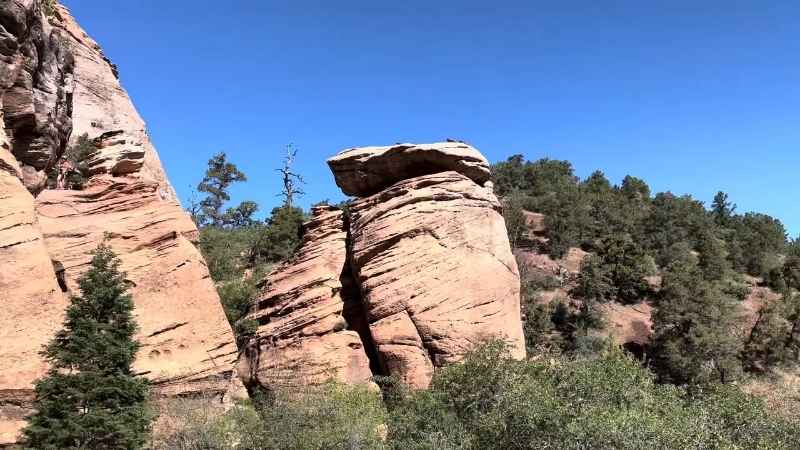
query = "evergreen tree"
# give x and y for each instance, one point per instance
(721, 209)
(769, 343)
(220, 175)
(89, 398)
(713, 260)
(693, 329)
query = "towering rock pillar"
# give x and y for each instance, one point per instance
(430, 253)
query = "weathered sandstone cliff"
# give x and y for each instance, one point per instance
(416, 273)
(55, 85)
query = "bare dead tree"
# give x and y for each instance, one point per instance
(291, 180)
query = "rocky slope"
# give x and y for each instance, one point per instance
(56, 85)
(425, 249)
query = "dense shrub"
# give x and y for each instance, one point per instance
(493, 402)
(328, 417)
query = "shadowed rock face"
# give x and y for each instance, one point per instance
(54, 78)
(426, 250)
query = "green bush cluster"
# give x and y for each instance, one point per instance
(491, 401)
(328, 417)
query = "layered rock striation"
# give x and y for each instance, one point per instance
(56, 85)
(425, 248)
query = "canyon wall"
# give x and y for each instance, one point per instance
(414, 273)
(55, 86)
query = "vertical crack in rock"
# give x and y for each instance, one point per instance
(354, 310)
(310, 323)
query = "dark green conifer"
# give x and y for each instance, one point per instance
(90, 399)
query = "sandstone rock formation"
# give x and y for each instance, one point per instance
(55, 85)
(305, 314)
(426, 250)
(432, 259)
(366, 170)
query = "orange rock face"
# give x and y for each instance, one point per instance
(306, 315)
(45, 241)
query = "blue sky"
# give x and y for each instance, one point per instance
(694, 97)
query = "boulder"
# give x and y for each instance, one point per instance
(365, 171)
(307, 315)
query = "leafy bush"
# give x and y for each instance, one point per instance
(491, 401)
(328, 417)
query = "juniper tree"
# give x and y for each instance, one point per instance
(90, 398)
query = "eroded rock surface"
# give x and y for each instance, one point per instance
(103, 110)
(307, 314)
(365, 171)
(436, 272)
(187, 344)
(36, 82)
(52, 75)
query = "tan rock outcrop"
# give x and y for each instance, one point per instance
(51, 76)
(436, 273)
(365, 171)
(306, 315)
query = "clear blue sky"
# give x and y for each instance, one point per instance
(692, 96)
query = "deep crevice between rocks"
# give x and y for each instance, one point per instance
(354, 312)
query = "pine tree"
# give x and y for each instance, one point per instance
(220, 174)
(721, 209)
(89, 398)
(694, 327)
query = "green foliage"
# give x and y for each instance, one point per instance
(76, 157)
(514, 219)
(220, 175)
(616, 272)
(786, 276)
(49, 7)
(722, 210)
(760, 238)
(773, 340)
(89, 397)
(491, 401)
(328, 417)
(235, 296)
(694, 327)
(280, 238)
(240, 216)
